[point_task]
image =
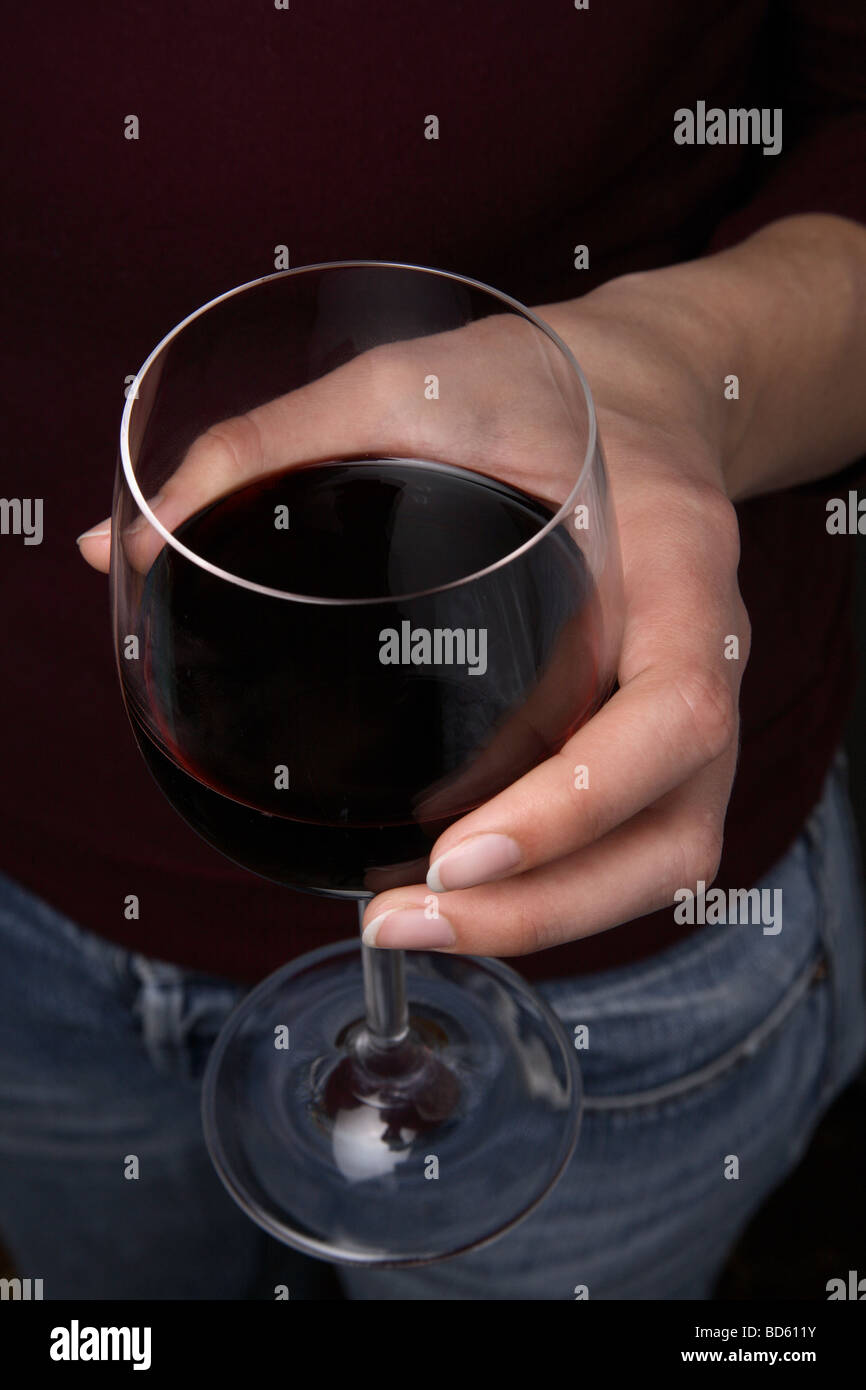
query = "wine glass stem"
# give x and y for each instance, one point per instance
(387, 1012)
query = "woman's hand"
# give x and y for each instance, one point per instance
(545, 862)
(782, 314)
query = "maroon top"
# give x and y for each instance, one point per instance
(261, 126)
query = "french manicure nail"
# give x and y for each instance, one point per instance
(409, 929)
(99, 531)
(479, 859)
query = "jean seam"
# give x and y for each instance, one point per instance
(156, 1008)
(712, 1071)
(174, 1013)
(815, 832)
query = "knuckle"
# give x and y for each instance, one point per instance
(235, 444)
(718, 519)
(726, 529)
(706, 854)
(700, 852)
(712, 709)
(532, 925)
(531, 930)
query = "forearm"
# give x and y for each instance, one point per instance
(785, 313)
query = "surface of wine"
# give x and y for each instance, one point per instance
(325, 745)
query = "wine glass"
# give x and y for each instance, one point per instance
(364, 575)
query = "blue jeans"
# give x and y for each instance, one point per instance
(729, 1046)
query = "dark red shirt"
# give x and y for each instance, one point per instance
(261, 127)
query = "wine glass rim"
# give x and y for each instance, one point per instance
(171, 539)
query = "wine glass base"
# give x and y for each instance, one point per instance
(397, 1157)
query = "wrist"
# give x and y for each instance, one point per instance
(758, 348)
(656, 347)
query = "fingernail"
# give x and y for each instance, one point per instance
(100, 530)
(478, 860)
(408, 929)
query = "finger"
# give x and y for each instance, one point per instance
(654, 734)
(675, 713)
(634, 870)
(323, 419)
(340, 415)
(95, 545)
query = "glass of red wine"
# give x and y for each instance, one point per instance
(365, 575)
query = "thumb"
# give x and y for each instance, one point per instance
(95, 545)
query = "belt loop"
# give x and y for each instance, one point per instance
(159, 1008)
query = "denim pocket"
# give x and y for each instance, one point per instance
(808, 991)
(675, 1023)
(694, 1010)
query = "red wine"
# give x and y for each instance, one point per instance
(326, 745)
